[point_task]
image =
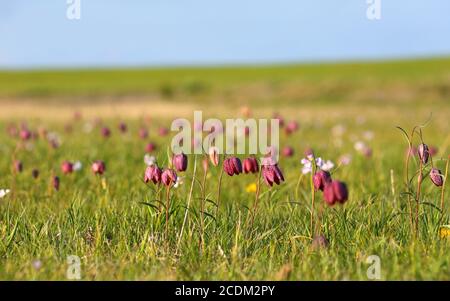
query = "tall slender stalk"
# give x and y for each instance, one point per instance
(255, 206)
(167, 211)
(218, 191)
(202, 207)
(409, 139)
(313, 193)
(408, 157)
(419, 186)
(443, 185)
(298, 185)
(188, 203)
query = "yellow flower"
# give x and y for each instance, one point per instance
(251, 188)
(444, 231)
(104, 184)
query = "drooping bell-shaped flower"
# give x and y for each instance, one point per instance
(232, 166)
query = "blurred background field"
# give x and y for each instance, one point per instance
(407, 86)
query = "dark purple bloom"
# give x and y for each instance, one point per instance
(232, 166)
(169, 177)
(18, 166)
(180, 162)
(250, 165)
(55, 182)
(35, 173)
(335, 192)
(321, 179)
(106, 132)
(123, 127)
(272, 174)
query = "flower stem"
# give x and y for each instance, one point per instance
(443, 184)
(298, 185)
(408, 156)
(255, 206)
(167, 211)
(188, 203)
(218, 191)
(313, 193)
(419, 186)
(313, 196)
(202, 209)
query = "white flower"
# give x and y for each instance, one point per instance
(345, 159)
(178, 182)
(338, 130)
(320, 164)
(307, 165)
(327, 166)
(149, 160)
(368, 135)
(360, 146)
(360, 120)
(88, 127)
(77, 166)
(4, 192)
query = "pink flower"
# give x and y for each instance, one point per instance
(98, 167)
(25, 134)
(67, 167)
(436, 177)
(291, 127)
(288, 151)
(423, 153)
(153, 173)
(163, 131)
(143, 133)
(272, 174)
(169, 177)
(150, 147)
(214, 155)
(232, 166)
(250, 165)
(180, 162)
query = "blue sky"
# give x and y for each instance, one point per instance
(35, 34)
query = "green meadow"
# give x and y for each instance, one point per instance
(116, 224)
